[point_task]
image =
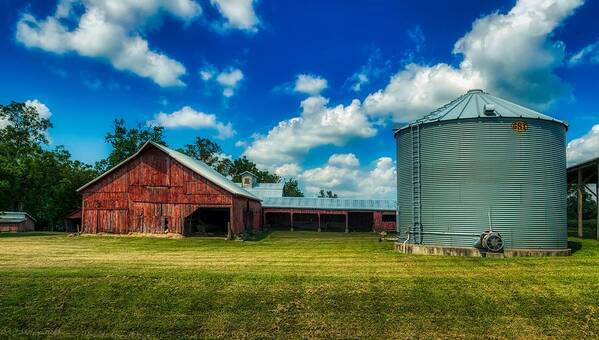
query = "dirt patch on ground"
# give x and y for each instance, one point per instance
(165, 235)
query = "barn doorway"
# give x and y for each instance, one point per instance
(277, 221)
(305, 221)
(332, 222)
(208, 221)
(360, 221)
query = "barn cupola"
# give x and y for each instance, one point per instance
(248, 180)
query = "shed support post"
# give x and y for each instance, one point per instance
(580, 203)
(597, 200)
(79, 231)
(346, 223)
(318, 222)
(291, 221)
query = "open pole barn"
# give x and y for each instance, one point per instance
(160, 190)
(329, 214)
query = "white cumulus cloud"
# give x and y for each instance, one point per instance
(111, 30)
(229, 80)
(288, 170)
(345, 160)
(584, 148)
(318, 124)
(240, 14)
(187, 117)
(310, 84)
(511, 55)
(349, 181)
(41, 108)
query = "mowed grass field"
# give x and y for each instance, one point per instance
(286, 285)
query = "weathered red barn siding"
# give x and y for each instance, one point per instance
(379, 225)
(27, 225)
(152, 186)
(241, 206)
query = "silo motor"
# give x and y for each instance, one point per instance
(491, 241)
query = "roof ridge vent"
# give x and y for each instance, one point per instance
(489, 109)
(476, 91)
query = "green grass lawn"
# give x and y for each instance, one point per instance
(286, 285)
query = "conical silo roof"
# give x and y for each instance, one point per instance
(479, 104)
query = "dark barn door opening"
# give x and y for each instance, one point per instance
(332, 222)
(208, 221)
(277, 221)
(360, 221)
(305, 221)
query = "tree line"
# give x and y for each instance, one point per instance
(41, 180)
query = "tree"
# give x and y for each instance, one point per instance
(589, 205)
(33, 179)
(204, 150)
(292, 189)
(327, 194)
(22, 133)
(240, 165)
(125, 142)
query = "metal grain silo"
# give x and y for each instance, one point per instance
(480, 163)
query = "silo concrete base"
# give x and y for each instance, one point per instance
(421, 249)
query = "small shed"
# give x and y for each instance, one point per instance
(72, 222)
(16, 221)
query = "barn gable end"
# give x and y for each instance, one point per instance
(153, 192)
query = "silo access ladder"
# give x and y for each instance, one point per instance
(416, 184)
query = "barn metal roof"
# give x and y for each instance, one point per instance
(328, 203)
(264, 190)
(479, 104)
(195, 165)
(14, 216)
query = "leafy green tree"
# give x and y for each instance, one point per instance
(208, 152)
(292, 189)
(327, 194)
(22, 133)
(203, 149)
(224, 166)
(34, 179)
(126, 141)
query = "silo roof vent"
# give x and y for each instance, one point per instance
(489, 109)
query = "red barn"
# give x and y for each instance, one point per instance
(11, 221)
(159, 190)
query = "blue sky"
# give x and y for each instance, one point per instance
(308, 89)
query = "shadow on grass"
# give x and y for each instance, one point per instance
(575, 246)
(259, 236)
(31, 234)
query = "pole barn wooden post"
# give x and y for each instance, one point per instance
(346, 222)
(318, 222)
(579, 194)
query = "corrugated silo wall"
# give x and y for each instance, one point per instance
(472, 167)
